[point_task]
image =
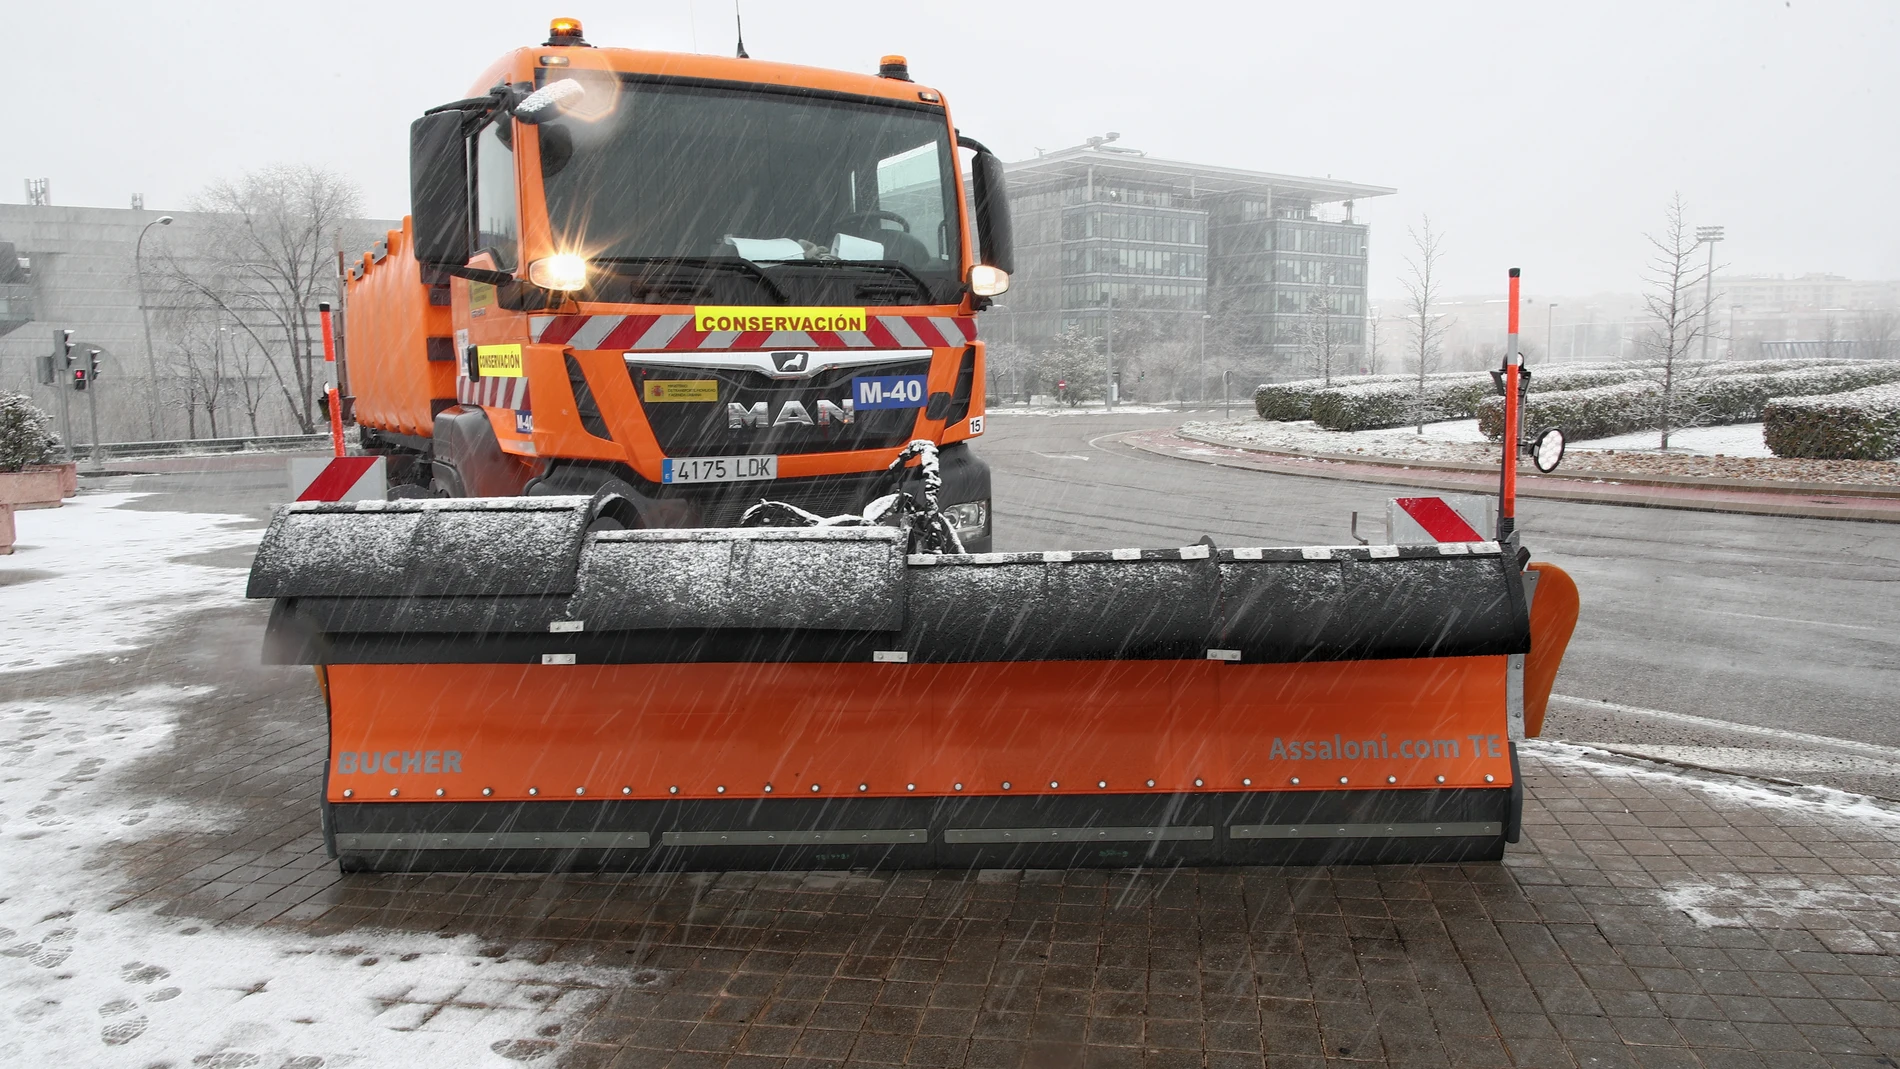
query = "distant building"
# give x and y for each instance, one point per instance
(1804, 293)
(1178, 241)
(73, 268)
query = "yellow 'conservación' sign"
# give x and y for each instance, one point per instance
(707, 318)
(498, 361)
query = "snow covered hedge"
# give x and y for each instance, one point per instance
(1364, 402)
(1389, 404)
(24, 438)
(1713, 399)
(1861, 424)
(1597, 412)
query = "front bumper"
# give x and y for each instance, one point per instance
(966, 479)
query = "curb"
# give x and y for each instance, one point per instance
(1698, 496)
(1579, 475)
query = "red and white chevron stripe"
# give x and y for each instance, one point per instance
(675, 331)
(493, 392)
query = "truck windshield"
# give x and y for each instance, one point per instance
(816, 192)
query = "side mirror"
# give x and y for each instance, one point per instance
(992, 209)
(1547, 449)
(438, 189)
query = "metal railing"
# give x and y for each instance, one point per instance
(254, 444)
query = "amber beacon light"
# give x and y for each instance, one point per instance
(565, 32)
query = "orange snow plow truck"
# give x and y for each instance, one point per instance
(689, 280)
(642, 292)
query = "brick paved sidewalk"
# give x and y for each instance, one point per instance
(1651, 918)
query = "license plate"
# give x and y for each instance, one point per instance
(718, 469)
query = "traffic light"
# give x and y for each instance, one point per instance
(92, 362)
(66, 346)
(79, 378)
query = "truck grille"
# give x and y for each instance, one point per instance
(688, 428)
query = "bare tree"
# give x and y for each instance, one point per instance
(273, 247)
(189, 334)
(1422, 282)
(1322, 339)
(1011, 369)
(1879, 333)
(1830, 336)
(1677, 316)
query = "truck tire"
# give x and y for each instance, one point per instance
(468, 458)
(966, 478)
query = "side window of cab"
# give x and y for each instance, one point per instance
(497, 227)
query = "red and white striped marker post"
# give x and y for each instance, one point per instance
(341, 477)
(1513, 363)
(329, 358)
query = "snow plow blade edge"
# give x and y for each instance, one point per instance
(509, 691)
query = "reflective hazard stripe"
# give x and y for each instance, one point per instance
(675, 331)
(1439, 519)
(493, 392)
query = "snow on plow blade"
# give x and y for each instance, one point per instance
(508, 690)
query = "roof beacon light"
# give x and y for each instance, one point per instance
(894, 67)
(566, 32)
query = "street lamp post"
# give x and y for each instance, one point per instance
(1550, 324)
(1109, 398)
(1203, 372)
(1709, 235)
(145, 316)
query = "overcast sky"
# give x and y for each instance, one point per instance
(1543, 135)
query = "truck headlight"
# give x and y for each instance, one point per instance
(969, 518)
(987, 281)
(563, 271)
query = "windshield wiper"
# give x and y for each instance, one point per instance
(703, 263)
(889, 267)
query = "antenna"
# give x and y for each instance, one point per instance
(740, 23)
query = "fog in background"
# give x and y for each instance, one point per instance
(1546, 136)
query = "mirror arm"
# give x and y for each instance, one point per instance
(475, 274)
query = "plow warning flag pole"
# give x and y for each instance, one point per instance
(330, 391)
(1513, 363)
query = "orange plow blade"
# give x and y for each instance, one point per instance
(815, 698)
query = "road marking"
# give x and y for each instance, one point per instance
(1792, 620)
(1886, 753)
(1061, 456)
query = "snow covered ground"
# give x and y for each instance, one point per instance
(1093, 408)
(110, 584)
(83, 983)
(1460, 440)
(1733, 440)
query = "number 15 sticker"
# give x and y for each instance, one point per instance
(976, 424)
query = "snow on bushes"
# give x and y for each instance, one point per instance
(1364, 402)
(24, 438)
(1861, 424)
(1388, 404)
(1597, 412)
(1708, 399)
(1735, 395)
